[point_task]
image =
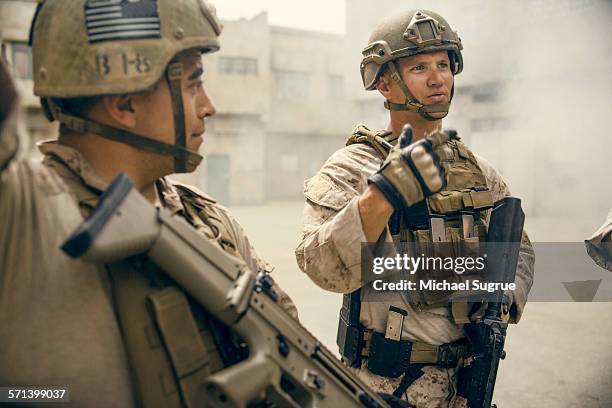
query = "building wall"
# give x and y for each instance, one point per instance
(310, 115)
(238, 76)
(293, 158)
(307, 90)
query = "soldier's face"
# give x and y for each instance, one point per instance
(428, 76)
(196, 103)
(156, 119)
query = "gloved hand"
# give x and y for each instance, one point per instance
(411, 172)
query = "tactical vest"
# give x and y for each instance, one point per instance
(172, 343)
(454, 217)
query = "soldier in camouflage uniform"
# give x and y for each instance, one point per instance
(124, 81)
(364, 193)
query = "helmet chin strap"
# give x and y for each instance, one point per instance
(185, 160)
(174, 73)
(411, 103)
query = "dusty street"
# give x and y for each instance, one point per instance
(559, 356)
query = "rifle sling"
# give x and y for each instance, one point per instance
(413, 373)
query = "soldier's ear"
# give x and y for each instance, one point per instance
(120, 109)
(383, 85)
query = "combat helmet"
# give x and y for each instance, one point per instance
(410, 33)
(86, 48)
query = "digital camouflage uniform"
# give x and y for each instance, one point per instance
(330, 253)
(599, 245)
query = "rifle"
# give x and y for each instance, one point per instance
(487, 335)
(286, 363)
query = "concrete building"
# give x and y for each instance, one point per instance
(281, 110)
(310, 116)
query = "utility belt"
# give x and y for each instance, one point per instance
(390, 356)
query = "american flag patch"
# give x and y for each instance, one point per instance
(109, 20)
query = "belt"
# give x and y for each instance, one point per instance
(447, 355)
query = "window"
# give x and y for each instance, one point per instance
(291, 85)
(238, 66)
(22, 60)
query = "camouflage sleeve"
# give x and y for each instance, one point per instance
(526, 261)
(330, 250)
(599, 245)
(253, 260)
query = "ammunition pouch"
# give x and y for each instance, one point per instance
(387, 357)
(443, 241)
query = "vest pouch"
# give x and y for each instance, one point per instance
(464, 174)
(466, 192)
(152, 372)
(389, 358)
(469, 264)
(446, 202)
(420, 245)
(433, 255)
(183, 342)
(454, 261)
(471, 250)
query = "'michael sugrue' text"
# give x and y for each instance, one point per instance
(441, 285)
